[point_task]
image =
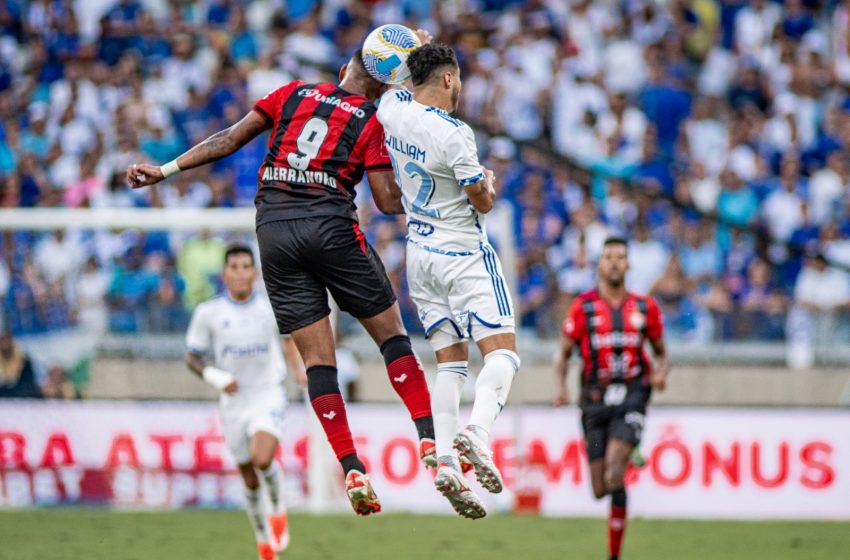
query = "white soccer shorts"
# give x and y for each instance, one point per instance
(243, 415)
(459, 295)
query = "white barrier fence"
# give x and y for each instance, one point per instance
(702, 463)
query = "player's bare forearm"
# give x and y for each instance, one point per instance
(481, 195)
(219, 145)
(195, 363)
(386, 192)
(223, 143)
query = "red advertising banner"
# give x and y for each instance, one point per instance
(701, 462)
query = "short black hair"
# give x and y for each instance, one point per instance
(616, 241)
(238, 249)
(357, 57)
(427, 59)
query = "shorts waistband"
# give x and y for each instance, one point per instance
(442, 251)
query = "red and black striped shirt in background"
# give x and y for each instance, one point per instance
(612, 339)
(322, 140)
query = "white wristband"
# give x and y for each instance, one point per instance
(218, 378)
(169, 169)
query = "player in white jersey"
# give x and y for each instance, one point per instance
(454, 274)
(234, 345)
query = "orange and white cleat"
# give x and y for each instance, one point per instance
(474, 450)
(428, 453)
(360, 493)
(266, 551)
(279, 529)
(464, 501)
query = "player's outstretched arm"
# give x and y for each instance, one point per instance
(562, 363)
(386, 192)
(219, 145)
(220, 379)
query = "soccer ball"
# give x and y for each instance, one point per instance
(385, 53)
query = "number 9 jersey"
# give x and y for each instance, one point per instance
(322, 140)
(434, 158)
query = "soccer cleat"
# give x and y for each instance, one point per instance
(470, 447)
(266, 551)
(279, 529)
(451, 484)
(428, 453)
(360, 493)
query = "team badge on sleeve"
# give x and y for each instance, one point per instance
(637, 320)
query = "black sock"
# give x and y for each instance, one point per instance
(425, 427)
(352, 463)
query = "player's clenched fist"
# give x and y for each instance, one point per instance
(142, 174)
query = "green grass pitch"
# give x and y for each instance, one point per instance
(88, 534)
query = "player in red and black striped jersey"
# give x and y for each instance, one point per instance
(611, 327)
(324, 138)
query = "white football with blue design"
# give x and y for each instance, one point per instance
(385, 53)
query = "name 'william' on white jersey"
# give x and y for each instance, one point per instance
(434, 158)
(243, 339)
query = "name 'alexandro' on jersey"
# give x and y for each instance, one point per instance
(273, 173)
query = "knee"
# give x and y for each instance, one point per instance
(261, 462)
(614, 476)
(599, 492)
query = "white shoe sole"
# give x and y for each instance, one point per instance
(485, 469)
(463, 501)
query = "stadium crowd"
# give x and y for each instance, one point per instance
(714, 135)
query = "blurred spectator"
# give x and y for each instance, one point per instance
(648, 260)
(91, 291)
(57, 385)
(17, 376)
(764, 306)
(199, 263)
(820, 294)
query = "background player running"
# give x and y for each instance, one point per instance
(238, 331)
(454, 274)
(610, 326)
(324, 137)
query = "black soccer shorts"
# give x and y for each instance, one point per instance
(304, 257)
(602, 422)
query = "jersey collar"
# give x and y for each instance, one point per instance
(240, 303)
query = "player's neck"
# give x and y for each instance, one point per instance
(353, 86)
(432, 98)
(613, 294)
(241, 298)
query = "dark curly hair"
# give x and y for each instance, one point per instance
(427, 59)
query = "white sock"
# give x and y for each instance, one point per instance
(274, 484)
(254, 508)
(491, 390)
(445, 402)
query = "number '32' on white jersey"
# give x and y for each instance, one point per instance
(434, 158)
(243, 339)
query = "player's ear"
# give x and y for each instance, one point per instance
(343, 71)
(448, 80)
